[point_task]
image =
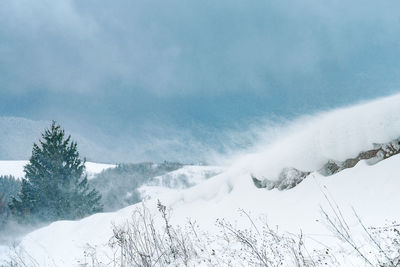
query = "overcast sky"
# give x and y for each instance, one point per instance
(171, 70)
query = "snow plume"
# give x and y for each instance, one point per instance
(310, 141)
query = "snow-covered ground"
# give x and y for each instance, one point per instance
(371, 190)
(13, 167)
(16, 168)
(93, 168)
(185, 177)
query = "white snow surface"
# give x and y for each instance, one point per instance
(93, 168)
(185, 177)
(371, 190)
(13, 167)
(16, 168)
(305, 144)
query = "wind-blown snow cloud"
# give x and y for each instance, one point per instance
(309, 142)
(210, 65)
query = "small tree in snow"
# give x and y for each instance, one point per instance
(55, 186)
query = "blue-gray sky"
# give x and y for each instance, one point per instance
(120, 72)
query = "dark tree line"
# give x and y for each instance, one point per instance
(9, 186)
(118, 186)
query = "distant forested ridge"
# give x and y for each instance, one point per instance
(118, 186)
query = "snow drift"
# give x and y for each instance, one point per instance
(16, 168)
(309, 142)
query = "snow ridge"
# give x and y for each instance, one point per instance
(310, 142)
(290, 177)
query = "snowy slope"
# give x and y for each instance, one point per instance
(222, 196)
(16, 168)
(305, 144)
(13, 167)
(185, 177)
(93, 168)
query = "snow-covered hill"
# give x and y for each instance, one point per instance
(185, 177)
(371, 190)
(306, 144)
(16, 168)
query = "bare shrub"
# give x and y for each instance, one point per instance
(380, 245)
(143, 242)
(264, 246)
(19, 257)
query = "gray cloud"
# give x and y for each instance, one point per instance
(177, 47)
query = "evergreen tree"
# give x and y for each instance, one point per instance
(9, 186)
(3, 210)
(55, 186)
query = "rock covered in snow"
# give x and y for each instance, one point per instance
(373, 156)
(289, 177)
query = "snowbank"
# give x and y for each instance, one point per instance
(371, 190)
(16, 168)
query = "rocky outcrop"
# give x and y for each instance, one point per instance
(290, 177)
(373, 156)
